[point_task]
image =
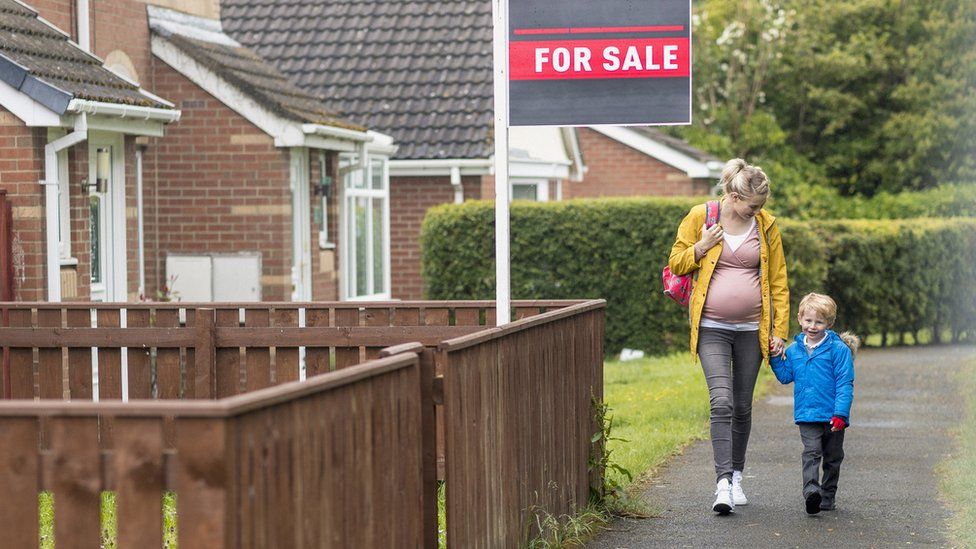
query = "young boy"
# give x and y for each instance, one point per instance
(821, 365)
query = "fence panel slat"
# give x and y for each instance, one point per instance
(228, 358)
(138, 358)
(286, 358)
(79, 358)
(317, 359)
(139, 481)
(109, 359)
(18, 476)
(203, 499)
(437, 316)
(465, 316)
(76, 482)
(21, 359)
(167, 358)
(50, 375)
(257, 359)
(376, 317)
(346, 356)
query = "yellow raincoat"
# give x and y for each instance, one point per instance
(775, 292)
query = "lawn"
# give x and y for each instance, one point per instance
(658, 405)
(958, 473)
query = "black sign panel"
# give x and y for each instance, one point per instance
(588, 62)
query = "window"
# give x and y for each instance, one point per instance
(536, 190)
(366, 235)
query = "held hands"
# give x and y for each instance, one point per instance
(777, 347)
(837, 424)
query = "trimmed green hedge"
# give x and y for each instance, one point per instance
(819, 202)
(616, 248)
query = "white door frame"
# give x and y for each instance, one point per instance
(114, 286)
(301, 268)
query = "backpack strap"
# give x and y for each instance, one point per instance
(712, 213)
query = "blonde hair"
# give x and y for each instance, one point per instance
(826, 307)
(745, 180)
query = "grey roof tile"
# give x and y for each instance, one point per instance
(417, 70)
(250, 73)
(40, 60)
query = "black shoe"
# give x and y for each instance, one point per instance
(813, 503)
(827, 504)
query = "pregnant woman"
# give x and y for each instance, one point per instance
(739, 311)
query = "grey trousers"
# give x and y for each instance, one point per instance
(731, 362)
(821, 446)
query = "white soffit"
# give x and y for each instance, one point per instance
(544, 143)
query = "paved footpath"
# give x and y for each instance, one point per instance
(905, 405)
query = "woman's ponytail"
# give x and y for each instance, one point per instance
(851, 341)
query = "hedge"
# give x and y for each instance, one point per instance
(820, 202)
(615, 249)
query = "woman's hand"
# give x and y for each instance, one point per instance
(709, 238)
(777, 346)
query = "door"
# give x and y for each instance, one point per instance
(106, 216)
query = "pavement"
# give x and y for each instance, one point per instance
(905, 406)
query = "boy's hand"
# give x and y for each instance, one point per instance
(837, 423)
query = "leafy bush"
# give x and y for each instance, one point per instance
(887, 276)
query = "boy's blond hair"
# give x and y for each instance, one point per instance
(826, 307)
(821, 304)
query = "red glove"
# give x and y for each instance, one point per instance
(837, 423)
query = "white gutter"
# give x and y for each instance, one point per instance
(52, 212)
(84, 106)
(84, 40)
(441, 166)
(338, 133)
(142, 235)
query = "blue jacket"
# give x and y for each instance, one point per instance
(823, 381)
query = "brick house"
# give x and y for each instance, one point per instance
(70, 130)
(421, 72)
(230, 202)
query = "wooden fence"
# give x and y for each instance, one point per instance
(345, 458)
(519, 423)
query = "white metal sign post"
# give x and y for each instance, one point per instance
(503, 314)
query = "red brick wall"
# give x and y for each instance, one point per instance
(21, 167)
(410, 197)
(218, 185)
(60, 13)
(123, 25)
(614, 169)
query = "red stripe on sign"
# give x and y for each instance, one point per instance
(600, 30)
(606, 58)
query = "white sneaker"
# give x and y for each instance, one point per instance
(723, 498)
(738, 496)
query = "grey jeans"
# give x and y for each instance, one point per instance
(821, 446)
(730, 360)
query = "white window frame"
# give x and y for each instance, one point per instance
(541, 187)
(350, 171)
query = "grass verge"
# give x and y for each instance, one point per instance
(958, 473)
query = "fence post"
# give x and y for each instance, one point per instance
(201, 378)
(429, 440)
(428, 435)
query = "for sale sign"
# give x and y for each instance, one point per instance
(586, 62)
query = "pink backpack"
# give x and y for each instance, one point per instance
(678, 287)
